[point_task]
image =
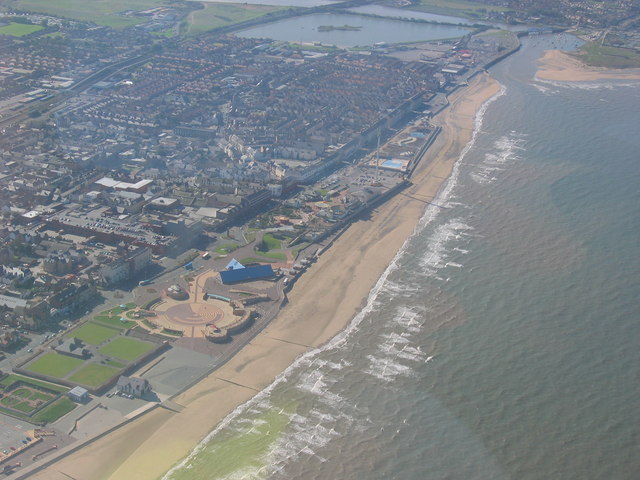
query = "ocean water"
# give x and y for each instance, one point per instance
(503, 341)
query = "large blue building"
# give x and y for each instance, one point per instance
(246, 274)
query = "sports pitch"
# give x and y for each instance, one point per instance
(93, 374)
(125, 348)
(93, 333)
(54, 365)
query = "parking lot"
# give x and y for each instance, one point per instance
(12, 433)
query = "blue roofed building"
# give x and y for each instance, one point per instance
(234, 265)
(246, 274)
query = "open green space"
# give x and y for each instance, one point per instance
(102, 12)
(226, 248)
(597, 55)
(22, 401)
(55, 35)
(114, 321)
(119, 309)
(93, 333)
(272, 256)
(21, 392)
(54, 365)
(19, 29)
(248, 260)
(53, 412)
(458, 8)
(131, 314)
(39, 396)
(126, 348)
(12, 378)
(272, 243)
(9, 401)
(113, 363)
(215, 15)
(23, 407)
(93, 374)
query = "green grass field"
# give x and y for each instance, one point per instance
(126, 348)
(8, 401)
(271, 242)
(21, 392)
(19, 29)
(93, 333)
(596, 55)
(113, 363)
(226, 248)
(102, 12)
(113, 321)
(457, 8)
(119, 309)
(53, 412)
(93, 374)
(12, 378)
(248, 260)
(217, 15)
(272, 256)
(24, 407)
(39, 396)
(54, 365)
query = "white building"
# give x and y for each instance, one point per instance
(125, 267)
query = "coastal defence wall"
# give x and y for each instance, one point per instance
(418, 158)
(491, 63)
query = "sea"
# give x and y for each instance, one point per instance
(503, 341)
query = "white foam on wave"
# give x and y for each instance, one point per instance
(400, 289)
(318, 383)
(446, 189)
(341, 338)
(545, 90)
(305, 436)
(337, 366)
(394, 337)
(453, 204)
(436, 255)
(585, 85)
(395, 352)
(504, 150)
(386, 369)
(407, 318)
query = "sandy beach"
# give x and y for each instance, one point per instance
(320, 305)
(556, 65)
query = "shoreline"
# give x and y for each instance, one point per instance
(556, 65)
(151, 445)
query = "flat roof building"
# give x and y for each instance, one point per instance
(246, 274)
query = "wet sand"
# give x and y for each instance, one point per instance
(556, 65)
(321, 304)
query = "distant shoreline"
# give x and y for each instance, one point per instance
(559, 66)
